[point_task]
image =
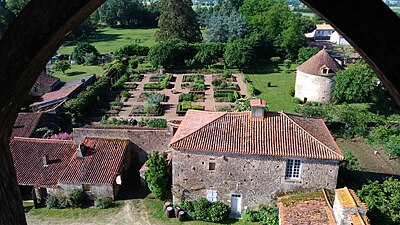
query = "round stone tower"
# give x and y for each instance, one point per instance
(314, 78)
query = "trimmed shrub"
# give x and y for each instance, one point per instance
(252, 215)
(103, 203)
(292, 91)
(78, 198)
(204, 210)
(157, 123)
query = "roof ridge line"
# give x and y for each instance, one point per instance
(312, 136)
(42, 139)
(222, 114)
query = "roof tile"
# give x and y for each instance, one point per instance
(317, 62)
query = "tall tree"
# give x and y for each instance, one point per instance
(239, 53)
(128, 13)
(358, 84)
(222, 26)
(158, 174)
(6, 17)
(178, 20)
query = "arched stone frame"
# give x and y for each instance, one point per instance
(42, 26)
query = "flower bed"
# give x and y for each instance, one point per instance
(192, 97)
(184, 106)
(139, 110)
(226, 96)
(145, 95)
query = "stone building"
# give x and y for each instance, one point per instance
(44, 84)
(246, 159)
(99, 166)
(314, 78)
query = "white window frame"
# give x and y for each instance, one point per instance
(211, 195)
(293, 169)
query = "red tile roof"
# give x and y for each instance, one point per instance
(315, 64)
(25, 124)
(99, 165)
(258, 102)
(61, 94)
(47, 80)
(27, 154)
(278, 134)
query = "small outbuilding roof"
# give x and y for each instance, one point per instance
(28, 153)
(324, 27)
(25, 124)
(278, 134)
(318, 62)
(100, 163)
(47, 80)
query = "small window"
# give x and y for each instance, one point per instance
(211, 166)
(86, 187)
(212, 195)
(293, 168)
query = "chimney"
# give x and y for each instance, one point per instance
(81, 150)
(257, 108)
(45, 160)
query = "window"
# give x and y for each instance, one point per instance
(211, 166)
(293, 168)
(212, 195)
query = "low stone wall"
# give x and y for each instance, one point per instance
(144, 140)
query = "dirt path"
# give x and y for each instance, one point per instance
(365, 154)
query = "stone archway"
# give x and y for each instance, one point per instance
(42, 26)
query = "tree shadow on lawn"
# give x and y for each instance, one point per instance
(75, 73)
(99, 37)
(263, 69)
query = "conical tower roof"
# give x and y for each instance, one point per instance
(320, 64)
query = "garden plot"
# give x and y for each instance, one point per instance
(194, 82)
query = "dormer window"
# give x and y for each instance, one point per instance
(326, 70)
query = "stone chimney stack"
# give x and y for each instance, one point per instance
(257, 108)
(80, 152)
(45, 160)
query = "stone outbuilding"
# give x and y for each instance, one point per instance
(44, 84)
(247, 159)
(314, 78)
(99, 166)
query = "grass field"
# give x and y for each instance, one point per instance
(310, 15)
(277, 96)
(78, 71)
(108, 39)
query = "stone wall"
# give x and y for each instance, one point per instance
(314, 88)
(144, 140)
(259, 179)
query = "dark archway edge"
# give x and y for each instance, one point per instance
(42, 26)
(373, 29)
(35, 35)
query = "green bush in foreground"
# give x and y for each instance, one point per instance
(103, 203)
(78, 198)
(267, 215)
(204, 210)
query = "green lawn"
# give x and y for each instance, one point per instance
(69, 213)
(108, 39)
(310, 15)
(78, 71)
(277, 96)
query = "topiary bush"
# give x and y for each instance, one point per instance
(103, 203)
(78, 198)
(292, 91)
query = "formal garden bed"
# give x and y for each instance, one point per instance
(184, 106)
(224, 108)
(225, 76)
(151, 107)
(220, 84)
(136, 77)
(157, 77)
(161, 83)
(194, 82)
(192, 97)
(145, 95)
(226, 96)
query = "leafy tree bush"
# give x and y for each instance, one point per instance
(305, 53)
(90, 59)
(287, 63)
(80, 51)
(115, 65)
(208, 53)
(132, 50)
(276, 59)
(103, 203)
(252, 216)
(221, 26)
(52, 202)
(78, 198)
(157, 123)
(178, 20)
(238, 53)
(16, 6)
(242, 105)
(250, 89)
(351, 162)
(358, 84)
(292, 91)
(170, 53)
(158, 174)
(207, 211)
(383, 200)
(62, 65)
